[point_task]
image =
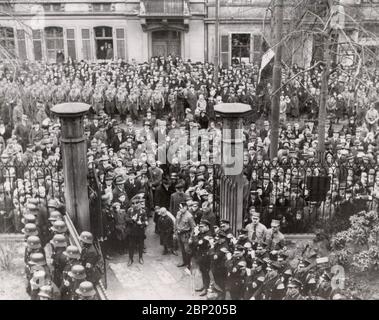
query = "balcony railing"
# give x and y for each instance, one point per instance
(164, 8)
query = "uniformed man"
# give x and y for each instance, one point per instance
(256, 230)
(30, 229)
(36, 282)
(59, 245)
(293, 290)
(59, 227)
(274, 238)
(72, 255)
(184, 226)
(85, 291)
(324, 288)
(76, 275)
(200, 243)
(236, 277)
(137, 222)
(36, 262)
(89, 257)
(33, 245)
(301, 270)
(218, 251)
(225, 226)
(254, 280)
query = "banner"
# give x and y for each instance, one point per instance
(266, 58)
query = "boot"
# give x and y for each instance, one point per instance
(130, 262)
(203, 293)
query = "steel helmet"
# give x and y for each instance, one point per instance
(33, 242)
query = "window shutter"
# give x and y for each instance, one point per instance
(37, 44)
(71, 49)
(86, 44)
(120, 36)
(224, 51)
(21, 45)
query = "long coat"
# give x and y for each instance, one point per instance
(120, 224)
(166, 230)
(175, 200)
(162, 197)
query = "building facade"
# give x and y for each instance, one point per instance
(138, 30)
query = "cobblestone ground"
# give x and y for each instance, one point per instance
(158, 278)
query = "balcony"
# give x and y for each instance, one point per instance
(164, 8)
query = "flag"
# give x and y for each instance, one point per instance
(266, 58)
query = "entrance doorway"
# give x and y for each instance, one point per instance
(104, 43)
(166, 42)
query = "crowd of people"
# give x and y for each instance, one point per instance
(134, 105)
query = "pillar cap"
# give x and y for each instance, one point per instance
(232, 110)
(70, 109)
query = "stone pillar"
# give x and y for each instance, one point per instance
(231, 184)
(74, 151)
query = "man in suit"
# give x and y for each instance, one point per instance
(163, 194)
(132, 186)
(117, 140)
(155, 175)
(177, 197)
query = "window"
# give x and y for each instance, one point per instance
(54, 42)
(103, 32)
(224, 50)
(86, 42)
(53, 7)
(21, 45)
(71, 49)
(37, 44)
(240, 48)
(7, 42)
(120, 35)
(101, 7)
(104, 43)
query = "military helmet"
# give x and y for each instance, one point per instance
(32, 207)
(72, 252)
(28, 218)
(30, 229)
(59, 241)
(86, 237)
(52, 203)
(46, 292)
(37, 259)
(33, 242)
(59, 226)
(86, 289)
(77, 272)
(55, 215)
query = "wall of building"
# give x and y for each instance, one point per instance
(137, 41)
(198, 44)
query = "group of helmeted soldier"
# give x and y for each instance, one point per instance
(54, 268)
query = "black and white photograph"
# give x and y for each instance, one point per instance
(189, 150)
